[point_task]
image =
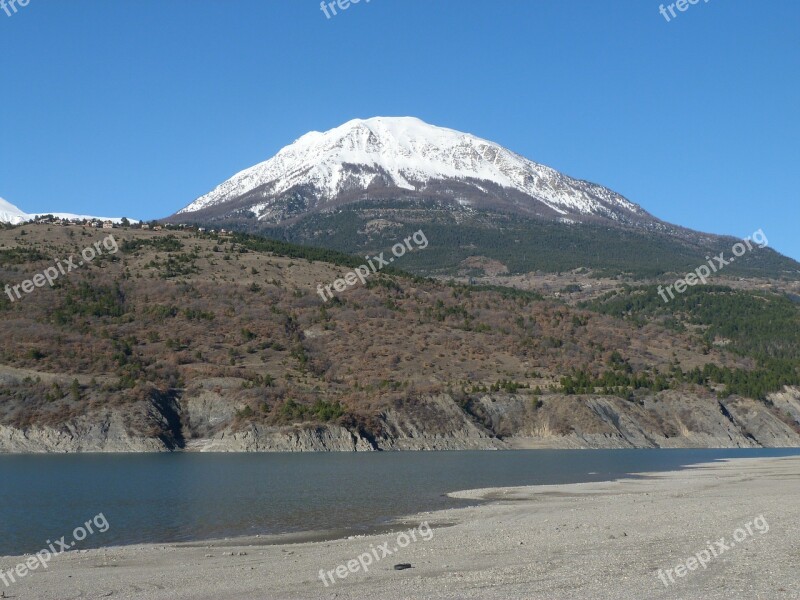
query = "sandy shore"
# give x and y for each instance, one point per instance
(581, 541)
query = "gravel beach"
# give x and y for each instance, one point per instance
(596, 540)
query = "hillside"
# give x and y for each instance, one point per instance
(187, 340)
(462, 244)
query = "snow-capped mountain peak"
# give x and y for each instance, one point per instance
(11, 214)
(406, 153)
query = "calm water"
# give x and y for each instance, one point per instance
(179, 497)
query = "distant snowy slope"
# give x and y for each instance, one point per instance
(72, 217)
(11, 214)
(14, 216)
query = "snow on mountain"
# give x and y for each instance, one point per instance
(11, 214)
(409, 154)
(72, 217)
(14, 216)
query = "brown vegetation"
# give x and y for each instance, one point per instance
(177, 311)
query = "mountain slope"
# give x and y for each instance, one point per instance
(11, 214)
(354, 187)
(413, 159)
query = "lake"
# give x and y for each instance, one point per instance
(160, 498)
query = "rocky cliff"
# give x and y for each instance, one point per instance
(668, 419)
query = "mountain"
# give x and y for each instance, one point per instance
(11, 214)
(405, 157)
(356, 187)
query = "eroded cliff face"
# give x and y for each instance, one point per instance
(107, 432)
(255, 438)
(665, 420)
(206, 422)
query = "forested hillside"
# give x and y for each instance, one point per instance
(762, 326)
(181, 316)
(520, 244)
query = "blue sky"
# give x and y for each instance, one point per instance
(137, 107)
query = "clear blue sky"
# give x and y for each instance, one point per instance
(135, 108)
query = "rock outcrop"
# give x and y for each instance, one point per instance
(98, 433)
(206, 422)
(256, 438)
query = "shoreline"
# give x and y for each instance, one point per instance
(319, 532)
(583, 540)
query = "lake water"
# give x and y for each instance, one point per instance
(181, 497)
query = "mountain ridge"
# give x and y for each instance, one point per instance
(12, 215)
